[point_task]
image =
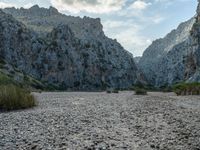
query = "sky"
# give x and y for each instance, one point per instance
(134, 23)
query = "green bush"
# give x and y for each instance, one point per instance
(187, 88)
(140, 91)
(13, 98)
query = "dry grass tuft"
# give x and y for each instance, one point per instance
(13, 98)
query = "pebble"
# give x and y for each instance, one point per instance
(101, 121)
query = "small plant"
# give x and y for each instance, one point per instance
(147, 87)
(115, 91)
(108, 91)
(166, 89)
(112, 91)
(13, 98)
(139, 91)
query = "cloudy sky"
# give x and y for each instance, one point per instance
(134, 23)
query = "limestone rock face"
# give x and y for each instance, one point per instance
(68, 55)
(176, 57)
(72, 62)
(162, 61)
(17, 43)
(192, 72)
(43, 20)
(198, 8)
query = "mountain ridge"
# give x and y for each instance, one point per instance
(43, 20)
(168, 60)
(66, 57)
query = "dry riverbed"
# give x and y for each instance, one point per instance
(101, 121)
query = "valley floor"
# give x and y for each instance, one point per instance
(101, 121)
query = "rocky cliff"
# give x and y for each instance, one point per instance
(164, 61)
(192, 72)
(63, 51)
(43, 20)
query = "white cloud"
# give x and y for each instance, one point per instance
(128, 34)
(116, 24)
(135, 9)
(133, 41)
(28, 5)
(91, 6)
(139, 5)
(168, 3)
(5, 5)
(157, 19)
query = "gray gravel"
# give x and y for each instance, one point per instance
(101, 121)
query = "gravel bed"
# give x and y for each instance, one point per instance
(101, 121)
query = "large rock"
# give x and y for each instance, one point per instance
(72, 53)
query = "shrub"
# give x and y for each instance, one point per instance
(115, 91)
(109, 91)
(112, 91)
(187, 89)
(166, 89)
(146, 87)
(140, 91)
(13, 98)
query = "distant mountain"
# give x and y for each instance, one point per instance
(62, 51)
(43, 20)
(164, 61)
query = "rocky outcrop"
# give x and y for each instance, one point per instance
(86, 64)
(163, 61)
(174, 58)
(74, 55)
(192, 72)
(19, 48)
(43, 20)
